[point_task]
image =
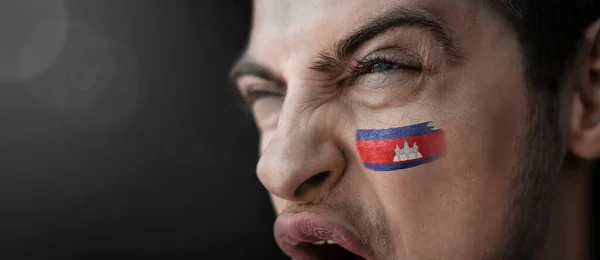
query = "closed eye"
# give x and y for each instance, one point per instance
(256, 92)
(383, 66)
(382, 63)
(253, 95)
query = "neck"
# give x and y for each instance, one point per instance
(569, 225)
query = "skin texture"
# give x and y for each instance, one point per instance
(503, 170)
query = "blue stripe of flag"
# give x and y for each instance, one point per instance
(381, 167)
(394, 133)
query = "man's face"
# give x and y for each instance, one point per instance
(316, 71)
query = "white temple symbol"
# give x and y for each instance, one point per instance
(407, 153)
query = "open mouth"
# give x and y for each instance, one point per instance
(309, 236)
(327, 250)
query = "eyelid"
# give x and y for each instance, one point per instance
(253, 92)
(265, 88)
(395, 54)
(250, 82)
(409, 63)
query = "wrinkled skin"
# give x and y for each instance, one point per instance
(462, 206)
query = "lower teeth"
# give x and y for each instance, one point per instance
(322, 242)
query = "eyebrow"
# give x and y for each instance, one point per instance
(331, 59)
(246, 66)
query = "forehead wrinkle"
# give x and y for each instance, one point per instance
(293, 44)
(313, 26)
(330, 58)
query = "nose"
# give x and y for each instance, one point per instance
(302, 162)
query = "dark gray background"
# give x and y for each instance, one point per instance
(171, 178)
(174, 180)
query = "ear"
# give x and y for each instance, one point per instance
(585, 113)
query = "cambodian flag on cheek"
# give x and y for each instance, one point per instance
(400, 148)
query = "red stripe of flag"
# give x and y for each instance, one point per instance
(383, 151)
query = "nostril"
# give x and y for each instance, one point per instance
(312, 182)
(317, 179)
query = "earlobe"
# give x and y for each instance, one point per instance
(585, 130)
(585, 110)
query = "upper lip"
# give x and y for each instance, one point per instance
(294, 230)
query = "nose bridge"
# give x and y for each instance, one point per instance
(301, 159)
(301, 119)
(297, 112)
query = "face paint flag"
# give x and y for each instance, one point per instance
(400, 148)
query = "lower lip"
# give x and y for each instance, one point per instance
(310, 227)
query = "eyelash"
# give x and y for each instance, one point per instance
(360, 68)
(365, 66)
(255, 94)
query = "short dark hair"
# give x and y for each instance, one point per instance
(550, 32)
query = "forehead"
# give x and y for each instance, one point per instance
(282, 28)
(288, 12)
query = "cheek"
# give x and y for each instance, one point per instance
(462, 198)
(278, 204)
